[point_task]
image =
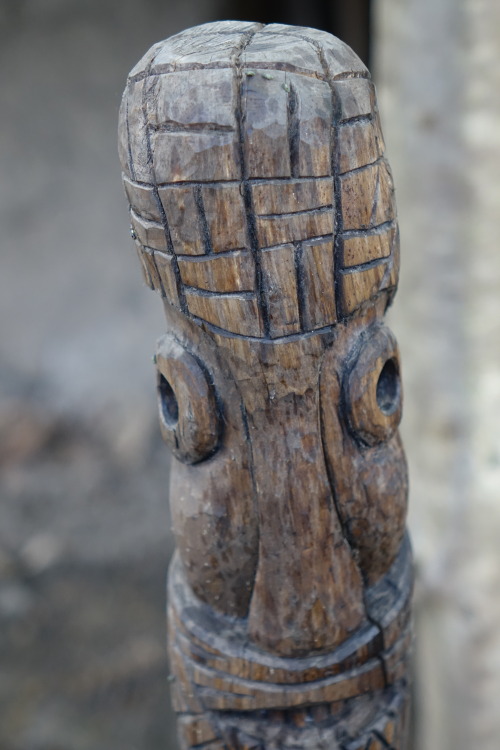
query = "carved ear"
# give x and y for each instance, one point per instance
(373, 393)
(190, 421)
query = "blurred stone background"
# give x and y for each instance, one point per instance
(84, 526)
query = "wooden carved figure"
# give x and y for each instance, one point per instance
(262, 208)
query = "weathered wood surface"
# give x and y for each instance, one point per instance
(263, 212)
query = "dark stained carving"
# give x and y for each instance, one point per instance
(263, 212)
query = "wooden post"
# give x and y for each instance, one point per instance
(263, 212)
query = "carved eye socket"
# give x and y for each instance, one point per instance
(167, 402)
(388, 391)
(373, 392)
(189, 416)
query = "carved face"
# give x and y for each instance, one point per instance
(285, 440)
(262, 209)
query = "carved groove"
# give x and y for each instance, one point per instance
(246, 190)
(180, 127)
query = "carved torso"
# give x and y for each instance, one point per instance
(263, 211)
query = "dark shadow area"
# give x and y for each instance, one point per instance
(349, 21)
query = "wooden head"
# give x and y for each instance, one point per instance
(263, 211)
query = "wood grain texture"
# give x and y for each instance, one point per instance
(367, 197)
(234, 272)
(144, 199)
(149, 233)
(316, 271)
(282, 228)
(183, 220)
(279, 280)
(360, 283)
(359, 249)
(290, 196)
(356, 98)
(263, 212)
(166, 267)
(225, 216)
(309, 126)
(358, 145)
(234, 313)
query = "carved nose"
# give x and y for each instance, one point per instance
(319, 609)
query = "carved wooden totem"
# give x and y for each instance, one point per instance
(262, 208)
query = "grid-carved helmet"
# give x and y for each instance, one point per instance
(261, 202)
